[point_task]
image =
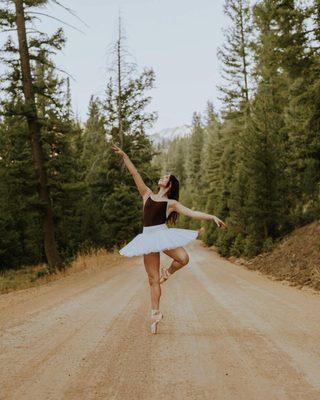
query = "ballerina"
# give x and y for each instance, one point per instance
(158, 209)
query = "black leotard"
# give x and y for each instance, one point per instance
(154, 212)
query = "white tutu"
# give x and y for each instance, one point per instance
(157, 238)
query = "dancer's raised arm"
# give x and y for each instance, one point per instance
(142, 187)
(181, 209)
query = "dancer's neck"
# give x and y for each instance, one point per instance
(162, 193)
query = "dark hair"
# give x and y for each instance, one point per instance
(173, 193)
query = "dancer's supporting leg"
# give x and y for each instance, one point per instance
(152, 265)
(180, 258)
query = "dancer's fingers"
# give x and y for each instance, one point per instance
(220, 223)
(116, 149)
(217, 221)
(223, 225)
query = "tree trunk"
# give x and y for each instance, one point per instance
(119, 72)
(244, 60)
(50, 246)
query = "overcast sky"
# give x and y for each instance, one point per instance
(177, 38)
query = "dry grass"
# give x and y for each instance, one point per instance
(36, 275)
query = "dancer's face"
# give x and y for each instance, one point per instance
(164, 179)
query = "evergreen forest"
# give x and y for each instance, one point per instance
(255, 163)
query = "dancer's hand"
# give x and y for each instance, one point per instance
(117, 150)
(219, 222)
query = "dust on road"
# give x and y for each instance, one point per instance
(227, 334)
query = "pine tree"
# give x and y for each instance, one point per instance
(29, 49)
(193, 165)
(265, 138)
(54, 135)
(195, 153)
(20, 225)
(210, 169)
(94, 161)
(301, 61)
(50, 246)
(120, 118)
(235, 56)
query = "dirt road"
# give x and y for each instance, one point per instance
(228, 334)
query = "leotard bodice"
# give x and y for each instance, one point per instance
(154, 212)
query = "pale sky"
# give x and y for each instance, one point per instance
(177, 38)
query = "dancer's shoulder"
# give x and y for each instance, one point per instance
(147, 193)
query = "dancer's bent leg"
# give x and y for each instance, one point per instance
(180, 258)
(152, 265)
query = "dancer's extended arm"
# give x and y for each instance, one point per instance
(142, 187)
(181, 209)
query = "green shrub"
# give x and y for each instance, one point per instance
(267, 245)
(237, 248)
(225, 242)
(251, 246)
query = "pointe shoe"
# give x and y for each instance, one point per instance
(164, 274)
(156, 317)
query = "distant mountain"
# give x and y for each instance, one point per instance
(168, 134)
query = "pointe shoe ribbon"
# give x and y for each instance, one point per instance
(164, 274)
